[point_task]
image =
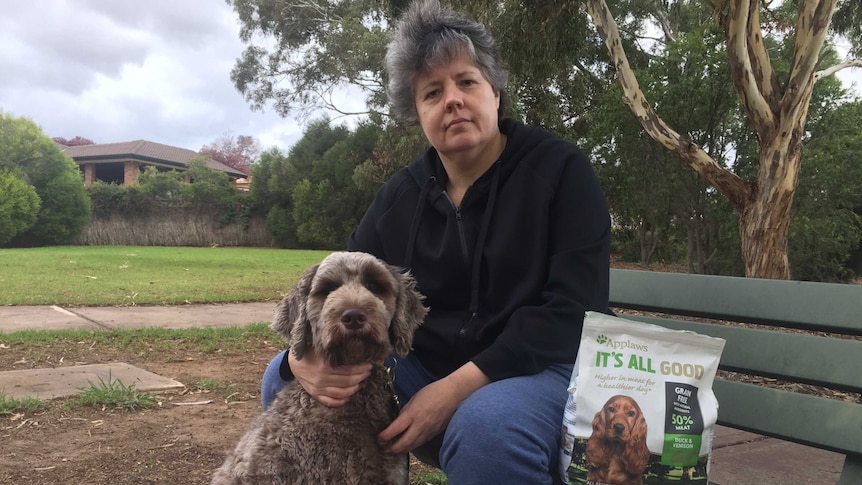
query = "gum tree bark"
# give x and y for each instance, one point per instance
(776, 112)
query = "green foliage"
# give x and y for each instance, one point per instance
(318, 47)
(560, 79)
(207, 186)
(11, 405)
(19, 206)
(311, 204)
(159, 184)
(663, 210)
(311, 196)
(36, 159)
(205, 384)
(155, 189)
(827, 216)
(847, 21)
(111, 198)
(428, 476)
(279, 222)
(115, 395)
(275, 176)
(396, 147)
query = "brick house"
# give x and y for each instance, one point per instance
(122, 162)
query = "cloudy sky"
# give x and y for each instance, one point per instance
(114, 70)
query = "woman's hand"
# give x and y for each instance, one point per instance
(331, 386)
(429, 411)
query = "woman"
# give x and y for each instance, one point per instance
(507, 233)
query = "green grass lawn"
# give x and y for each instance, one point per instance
(138, 275)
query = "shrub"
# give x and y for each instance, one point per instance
(163, 185)
(19, 206)
(65, 207)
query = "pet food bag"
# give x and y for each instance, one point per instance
(640, 407)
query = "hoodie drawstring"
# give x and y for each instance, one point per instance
(480, 242)
(417, 216)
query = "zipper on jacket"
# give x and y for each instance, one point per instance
(477, 253)
(460, 224)
(462, 332)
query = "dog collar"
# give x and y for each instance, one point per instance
(390, 382)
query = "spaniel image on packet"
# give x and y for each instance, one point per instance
(640, 407)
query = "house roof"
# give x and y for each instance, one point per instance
(143, 150)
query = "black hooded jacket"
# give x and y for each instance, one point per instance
(509, 274)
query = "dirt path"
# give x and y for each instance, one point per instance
(169, 444)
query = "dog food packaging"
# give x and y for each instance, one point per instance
(640, 407)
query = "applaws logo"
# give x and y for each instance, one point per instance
(621, 344)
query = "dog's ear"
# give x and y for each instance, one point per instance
(597, 454)
(636, 456)
(409, 311)
(291, 317)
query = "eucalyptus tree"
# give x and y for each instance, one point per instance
(668, 205)
(302, 53)
(776, 110)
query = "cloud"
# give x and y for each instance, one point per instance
(118, 71)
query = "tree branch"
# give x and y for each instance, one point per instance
(744, 77)
(728, 183)
(661, 17)
(765, 76)
(811, 29)
(837, 67)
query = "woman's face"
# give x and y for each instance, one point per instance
(457, 109)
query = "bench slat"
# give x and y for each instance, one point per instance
(795, 304)
(822, 361)
(809, 420)
(852, 471)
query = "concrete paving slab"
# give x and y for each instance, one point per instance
(13, 318)
(759, 460)
(183, 316)
(51, 383)
(725, 436)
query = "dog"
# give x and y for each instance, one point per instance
(616, 451)
(351, 308)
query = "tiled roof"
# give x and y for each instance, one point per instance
(143, 150)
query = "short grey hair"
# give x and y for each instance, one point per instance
(429, 35)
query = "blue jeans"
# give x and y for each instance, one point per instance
(507, 432)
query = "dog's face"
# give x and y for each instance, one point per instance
(351, 308)
(620, 419)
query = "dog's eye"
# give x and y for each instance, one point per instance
(325, 289)
(375, 287)
(632, 414)
(612, 409)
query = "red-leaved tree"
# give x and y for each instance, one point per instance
(237, 152)
(73, 142)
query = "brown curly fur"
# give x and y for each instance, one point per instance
(616, 451)
(349, 309)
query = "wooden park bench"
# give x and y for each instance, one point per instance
(795, 332)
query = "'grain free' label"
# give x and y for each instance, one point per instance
(683, 429)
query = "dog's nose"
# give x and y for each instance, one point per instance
(353, 319)
(619, 429)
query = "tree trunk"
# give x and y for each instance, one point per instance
(776, 113)
(764, 221)
(763, 231)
